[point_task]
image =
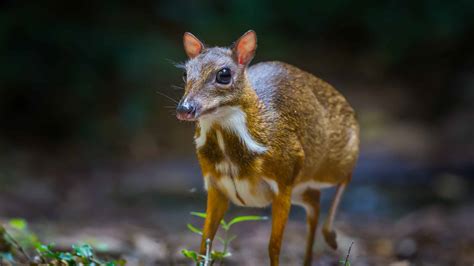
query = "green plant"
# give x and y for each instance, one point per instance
(213, 256)
(346, 261)
(19, 242)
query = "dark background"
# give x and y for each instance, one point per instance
(85, 132)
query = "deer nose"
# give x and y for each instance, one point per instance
(186, 111)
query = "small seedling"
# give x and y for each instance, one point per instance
(346, 261)
(21, 246)
(213, 256)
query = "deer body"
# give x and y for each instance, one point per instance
(278, 139)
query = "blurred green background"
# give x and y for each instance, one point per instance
(82, 125)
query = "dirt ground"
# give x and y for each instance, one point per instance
(431, 236)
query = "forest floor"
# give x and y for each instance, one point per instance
(141, 214)
(431, 236)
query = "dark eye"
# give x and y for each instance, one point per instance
(185, 75)
(223, 76)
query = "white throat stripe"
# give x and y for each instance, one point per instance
(233, 119)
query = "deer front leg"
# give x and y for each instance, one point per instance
(280, 209)
(217, 205)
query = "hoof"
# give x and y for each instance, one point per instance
(330, 237)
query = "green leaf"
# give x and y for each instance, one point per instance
(225, 225)
(199, 214)
(41, 248)
(65, 256)
(219, 255)
(83, 251)
(191, 254)
(194, 229)
(120, 262)
(19, 224)
(240, 219)
(46, 251)
(204, 215)
(33, 240)
(344, 262)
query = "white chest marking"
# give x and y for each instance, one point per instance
(238, 190)
(233, 119)
(226, 167)
(220, 141)
(201, 140)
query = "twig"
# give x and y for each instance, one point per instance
(208, 252)
(16, 244)
(348, 253)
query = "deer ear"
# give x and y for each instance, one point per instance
(244, 48)
(192, 45)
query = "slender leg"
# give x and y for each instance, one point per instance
(280, 209)
(328, 232)
(217, 205)
(311, 199)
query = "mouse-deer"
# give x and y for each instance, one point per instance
(266, 134)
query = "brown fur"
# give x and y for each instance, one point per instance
(308, 128)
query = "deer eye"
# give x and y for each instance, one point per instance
(223, 76)
(185, 76)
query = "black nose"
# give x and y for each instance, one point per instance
(186, 108)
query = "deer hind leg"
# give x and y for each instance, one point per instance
(311, 202)
(328, 232)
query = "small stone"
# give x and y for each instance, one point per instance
(150, 248)
(406, 248)
(400, 263)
